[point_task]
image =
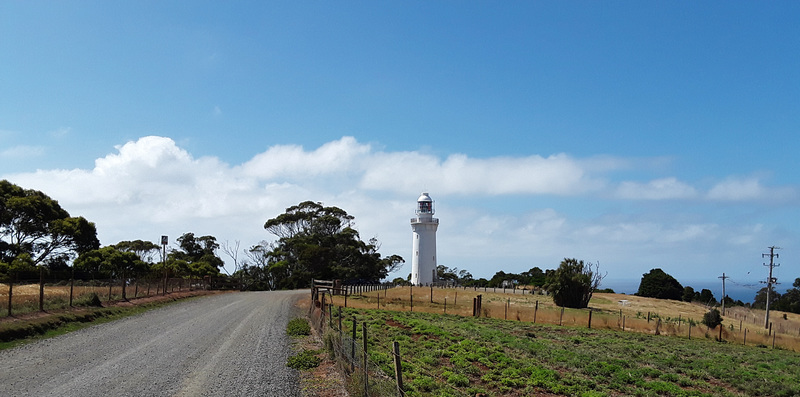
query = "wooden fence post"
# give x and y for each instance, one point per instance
(590, 318)
(445, 305)
(10, 291)
(535, 311)
(690, 330)
(505, 314)
(623, 323)
(71, 285)
(561, 318)
(41, 288)
(744, 341)
(398, 369)
(431, 293)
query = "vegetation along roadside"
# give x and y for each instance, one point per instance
(457, 356)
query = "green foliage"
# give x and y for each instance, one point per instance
(33, 224)
(660, 285)
(306, 359)
(298, 327)
(573, 283)
(109, 262)
(93, 300)
(452, 355)
(712, 318)
(319, 242)
(197, 256)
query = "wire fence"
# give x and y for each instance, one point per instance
(25, 292)
(742, 325)
(368, 370)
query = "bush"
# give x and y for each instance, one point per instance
(712, 319)
(304, 360)
(89, 300)
(298, 327)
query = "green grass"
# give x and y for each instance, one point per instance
(453, 355)
(298, 327)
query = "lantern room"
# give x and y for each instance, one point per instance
(425, 205)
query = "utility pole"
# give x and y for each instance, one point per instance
(723, 277)
(770, 280)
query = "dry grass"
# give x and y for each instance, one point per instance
(25, 297)
(677, 318)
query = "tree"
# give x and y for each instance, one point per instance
(110, 262)
(790, 300)
(573, 283)
(707, 297)
(712, 318)
(657, 284)
(34, 224)
(199, 254)
(145, 250)
(760, 300)
(688, 294)
(318, 242)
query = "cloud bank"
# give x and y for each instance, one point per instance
(151, 186)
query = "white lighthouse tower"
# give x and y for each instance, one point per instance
(423, 262)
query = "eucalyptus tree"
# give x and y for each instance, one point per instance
(315, 241)
(35, 229)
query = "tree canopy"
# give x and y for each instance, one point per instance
(197, 256)
(573, 283)
(318, 242)
(35, 229)
(658, 284)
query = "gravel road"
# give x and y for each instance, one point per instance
(222, 345)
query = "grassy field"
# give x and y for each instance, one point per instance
(667, 317)
(25, 297)
(452, 355)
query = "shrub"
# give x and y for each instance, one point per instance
(298, 327)
(306, 359)
(712, 319)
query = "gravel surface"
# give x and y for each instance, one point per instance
(223, 345)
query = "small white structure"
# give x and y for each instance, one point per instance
(423, 258)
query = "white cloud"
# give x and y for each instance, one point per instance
(289, 161)
(657, 189)
(151, 187)
(459, 174)
(748, 189)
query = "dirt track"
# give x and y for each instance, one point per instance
(229, 344)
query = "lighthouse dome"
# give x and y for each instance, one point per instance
(425, 205)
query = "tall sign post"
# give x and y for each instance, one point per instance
(164, 242)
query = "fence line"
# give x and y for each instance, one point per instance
(377, 297)
(40, 291)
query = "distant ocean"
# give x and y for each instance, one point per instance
(743, 292)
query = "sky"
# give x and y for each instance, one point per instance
(638, 135)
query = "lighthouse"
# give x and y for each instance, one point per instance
(423, 256)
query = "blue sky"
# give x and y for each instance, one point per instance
(639, 135)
